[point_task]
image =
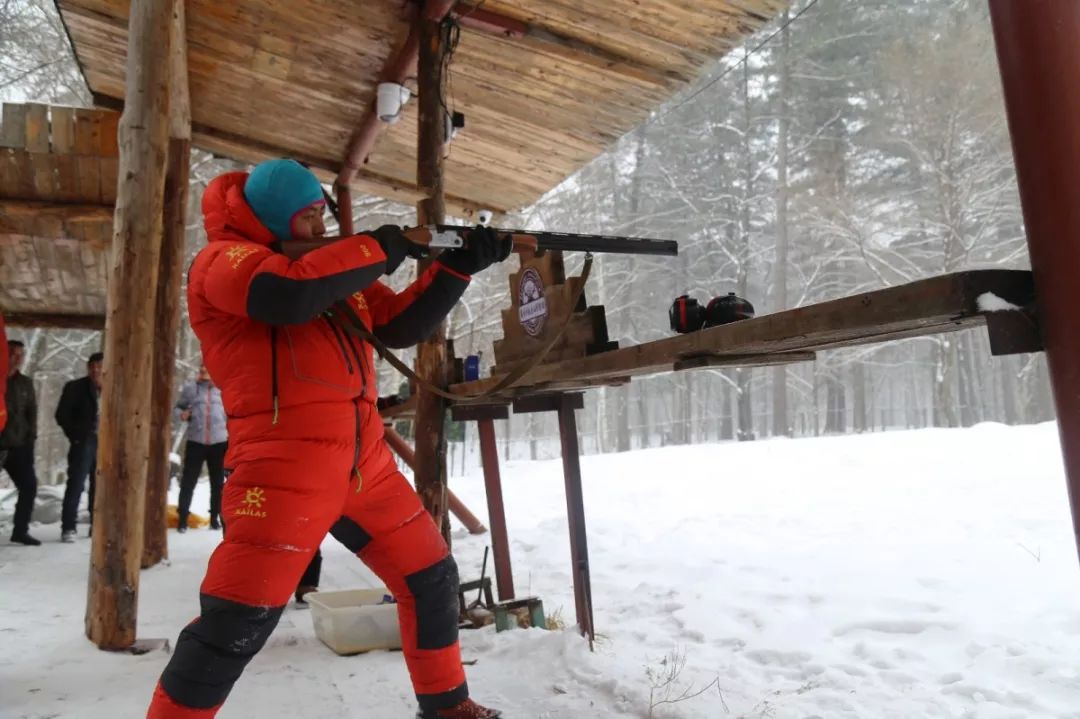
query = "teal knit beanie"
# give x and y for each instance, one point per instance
(276, 190)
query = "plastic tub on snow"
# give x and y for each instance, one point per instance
(352, 621)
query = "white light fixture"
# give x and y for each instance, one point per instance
(390, 100)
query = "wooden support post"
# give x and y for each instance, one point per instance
(500, 541)
(130, 344)
(1040, 69)
(431, 355)
(575, 514)
(457, 507)
(167, 303)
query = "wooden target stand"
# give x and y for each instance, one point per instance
(542, 305)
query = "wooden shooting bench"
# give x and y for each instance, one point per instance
(932, 306)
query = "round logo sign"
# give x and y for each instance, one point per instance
(532, 307)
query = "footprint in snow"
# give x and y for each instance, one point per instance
(692, 635)
(773, 657)
(893, 626)
(950, 678)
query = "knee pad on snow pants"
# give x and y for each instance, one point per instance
(213, 650)
(435, 591)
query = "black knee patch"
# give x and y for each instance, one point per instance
(213, 650)
(436, 593)
(351, 534)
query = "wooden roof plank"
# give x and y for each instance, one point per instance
(63, 130)
(13, 127)
(37, 128)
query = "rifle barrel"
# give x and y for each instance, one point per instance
(569, 242)
(523, 240)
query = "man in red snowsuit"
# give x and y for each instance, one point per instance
(306, 448)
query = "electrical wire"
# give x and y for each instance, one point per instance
(740, 63)
(450, 32)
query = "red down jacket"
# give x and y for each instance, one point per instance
(286, 369)
(306, 450)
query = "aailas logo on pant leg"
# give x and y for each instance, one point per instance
(253, 502)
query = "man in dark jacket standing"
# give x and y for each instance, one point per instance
(77, 415)
(17, 441)
(207, 439)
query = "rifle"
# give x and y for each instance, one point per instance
(451, 236)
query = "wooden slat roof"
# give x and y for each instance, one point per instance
(295, 78)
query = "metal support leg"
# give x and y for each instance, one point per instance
(575, 513)
(500, 543)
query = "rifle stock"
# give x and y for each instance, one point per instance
(451, 236)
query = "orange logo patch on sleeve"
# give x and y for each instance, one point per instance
(361, 303)
(238, 253)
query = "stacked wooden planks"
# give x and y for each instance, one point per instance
(58, 171)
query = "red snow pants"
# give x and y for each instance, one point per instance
(277, 508)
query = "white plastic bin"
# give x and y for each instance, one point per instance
(354, 620)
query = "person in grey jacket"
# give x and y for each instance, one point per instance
(207, 439)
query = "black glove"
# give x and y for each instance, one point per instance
(395, 245)
(483, 248)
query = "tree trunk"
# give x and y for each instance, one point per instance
(167, 301)
(835, 405)
(781, 424)
(943, 373)
(746, 412)
(1007, 372)
(643, 416)
(533, 454)
(746, 408)
(727, 422)
(858, 379)
(431, 355)
(130, 344)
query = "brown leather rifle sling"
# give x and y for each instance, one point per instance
(355, 327)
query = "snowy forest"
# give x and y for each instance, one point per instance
(849, 146)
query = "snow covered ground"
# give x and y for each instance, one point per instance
(908, 574)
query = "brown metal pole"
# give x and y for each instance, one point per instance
(1038, 47)
(344, 202)
(398, 69)
(431, 355)
(124, 439)
(500, 540)
(457, 507)
(575, 514)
